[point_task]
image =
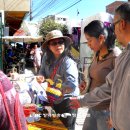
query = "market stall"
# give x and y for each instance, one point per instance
(30, 91)
(24, 39)
(17, 45)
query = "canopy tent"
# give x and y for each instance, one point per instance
(20, 32)
(28, 39)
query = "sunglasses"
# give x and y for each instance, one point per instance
(56, 42)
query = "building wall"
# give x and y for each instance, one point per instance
(61, 19)
(57, 18)
(15, 5)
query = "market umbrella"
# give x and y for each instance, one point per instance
(24, 39)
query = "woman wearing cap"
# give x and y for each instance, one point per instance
(57, 63)
(101, 39)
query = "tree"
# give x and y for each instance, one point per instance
(49, 25)
(118, 44)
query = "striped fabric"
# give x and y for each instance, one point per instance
(43, 124)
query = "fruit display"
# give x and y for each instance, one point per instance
(54, 89)
(29, 108)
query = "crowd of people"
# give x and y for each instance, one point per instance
(107, 96)
(21, 56)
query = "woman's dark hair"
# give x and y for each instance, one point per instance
(50, 56)
(97, 28)
(124, 11)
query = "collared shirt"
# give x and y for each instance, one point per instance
(99, 69)
(67, 72)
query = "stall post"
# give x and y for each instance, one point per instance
(1, 34)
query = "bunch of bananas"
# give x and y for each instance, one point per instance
(54, 88)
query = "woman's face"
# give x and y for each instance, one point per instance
(94, 43)
(57, 46)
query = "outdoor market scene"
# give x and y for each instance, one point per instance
(64, 65)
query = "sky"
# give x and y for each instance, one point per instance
(86, 8)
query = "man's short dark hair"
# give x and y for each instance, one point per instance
(124, 11)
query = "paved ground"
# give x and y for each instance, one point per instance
(82, 113)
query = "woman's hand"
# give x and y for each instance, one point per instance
(82, 86)
(40, 79)
(66, 90)
(74, 103)
(109, 123)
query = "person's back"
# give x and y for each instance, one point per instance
(11, 111)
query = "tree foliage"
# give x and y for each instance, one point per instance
(118, 44)
(49, 25)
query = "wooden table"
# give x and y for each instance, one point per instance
(56, 124)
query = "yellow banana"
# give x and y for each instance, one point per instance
(54, 91)
(58, 85)
(50, 81)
